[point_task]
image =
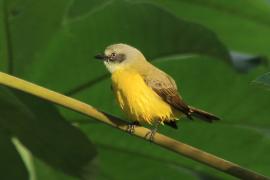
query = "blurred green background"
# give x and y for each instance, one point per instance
(215, 50)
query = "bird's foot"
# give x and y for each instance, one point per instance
(131, 127)
(150, 135)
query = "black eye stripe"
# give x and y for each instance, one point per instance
(117, 57)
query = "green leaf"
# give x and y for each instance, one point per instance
(246, 31)
(40, 127)
(241, 25)
(70, 38)
(43, 172)
(140, 167)
(135, 161)
(11, 166)
(263, 80)
(38, 170)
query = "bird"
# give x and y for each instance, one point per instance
(145, 93)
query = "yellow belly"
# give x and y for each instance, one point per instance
(138, 100)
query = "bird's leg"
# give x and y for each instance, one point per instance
(150, 135)
(131, 127)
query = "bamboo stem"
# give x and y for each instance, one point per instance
(159, 139)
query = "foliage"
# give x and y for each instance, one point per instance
(52, 43)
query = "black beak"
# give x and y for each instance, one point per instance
(101, 57)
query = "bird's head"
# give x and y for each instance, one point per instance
(119, 56)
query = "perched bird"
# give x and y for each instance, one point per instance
(144, 92)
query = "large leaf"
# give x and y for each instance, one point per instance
(243, 25)
(46, 134)
(38, 170)
(241, 29)
(145, 166)
(43, 172)
(63, 46)
(11, 166)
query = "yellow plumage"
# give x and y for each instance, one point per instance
(138, 100)
(145, 93)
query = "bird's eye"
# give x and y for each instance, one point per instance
(113, 54)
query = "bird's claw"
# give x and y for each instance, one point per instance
(131, 128)
(150, 135)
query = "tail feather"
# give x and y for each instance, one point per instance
(203, 115)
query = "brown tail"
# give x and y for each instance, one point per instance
(203, 115)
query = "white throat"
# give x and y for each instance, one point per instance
(112, 67)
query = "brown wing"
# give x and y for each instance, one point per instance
(171, 97)
(166, 88)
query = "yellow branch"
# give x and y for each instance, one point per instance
(159, 139)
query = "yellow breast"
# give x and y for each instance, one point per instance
(138, 100)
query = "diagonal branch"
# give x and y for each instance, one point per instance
(160, 139)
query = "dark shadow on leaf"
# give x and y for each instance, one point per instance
(198, 173)
(41, 128)
(12, 165)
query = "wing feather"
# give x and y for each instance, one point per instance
(166, 88)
